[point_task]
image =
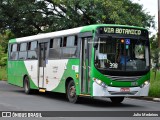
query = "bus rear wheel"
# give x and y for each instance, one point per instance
(27, 88)
(117, 100)
(71, 92)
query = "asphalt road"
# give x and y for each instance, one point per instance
(13, 98)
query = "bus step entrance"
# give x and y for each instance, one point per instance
(86, 95)
(42, 90)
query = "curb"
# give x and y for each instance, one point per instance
(156, 99)
(147, 98)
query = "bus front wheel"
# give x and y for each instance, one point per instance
(27, 89)
(71, 92)
(117, 100)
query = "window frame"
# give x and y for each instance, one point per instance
(61, 47)
(22, 50)
(29, 50)
(11, 50)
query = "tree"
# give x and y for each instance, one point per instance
(36, 16)
(155, 53)
(3, 46)
(3, 57)
(30, 17)
(22, 17)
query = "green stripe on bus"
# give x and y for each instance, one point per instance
(12, 41)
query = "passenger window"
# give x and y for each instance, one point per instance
(51, 43)
(23, 47)
(55, 51)
(66, 48)
(71, 41)
(14, 52)
(34, 45)
(70, 50)
(23, 51)
(32, 50)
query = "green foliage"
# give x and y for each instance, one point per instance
(3, 57)
(155, 52)
(154, 90)
(19, 18)
(4, 37)
(36, 16)
(3, 46)
(153, 42)
(3, 73)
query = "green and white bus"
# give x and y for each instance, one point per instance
(101, 60)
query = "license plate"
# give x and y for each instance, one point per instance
(125, 89)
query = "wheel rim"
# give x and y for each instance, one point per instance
(72, 92)
(26, 86)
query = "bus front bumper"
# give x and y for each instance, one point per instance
(120, 91)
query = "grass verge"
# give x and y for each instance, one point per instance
(3, 73)
(154, 90)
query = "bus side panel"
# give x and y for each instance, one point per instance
(66, 69)
(32, 71)
(16, 71)
(10, 72)
(73, 70)
(53, 74)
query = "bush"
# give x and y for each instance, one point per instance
(3, 73)
(3, 61)
(154, 90)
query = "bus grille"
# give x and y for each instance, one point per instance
(124, 78)
(123, 93)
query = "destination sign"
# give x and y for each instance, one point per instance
(124, 31)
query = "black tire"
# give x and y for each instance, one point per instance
(71, 92)
(26, 86)
(117, 100)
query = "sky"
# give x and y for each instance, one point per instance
(150, 6)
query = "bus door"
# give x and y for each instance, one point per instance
(43, 48)
(85, 64)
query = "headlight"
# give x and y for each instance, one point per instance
(145, 83)
(99, 82)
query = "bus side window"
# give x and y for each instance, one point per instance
(51, 43)
(14, 52)
(55, 51)
(23, 51)
(32, 50)
(64, 42)
(69, 50)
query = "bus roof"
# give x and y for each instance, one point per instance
(68, 32)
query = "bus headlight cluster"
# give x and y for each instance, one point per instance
(145, 83)
(99, 82)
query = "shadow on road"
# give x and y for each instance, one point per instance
(104, 102)
(101, 102)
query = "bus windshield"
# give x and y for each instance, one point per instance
(120, 54)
